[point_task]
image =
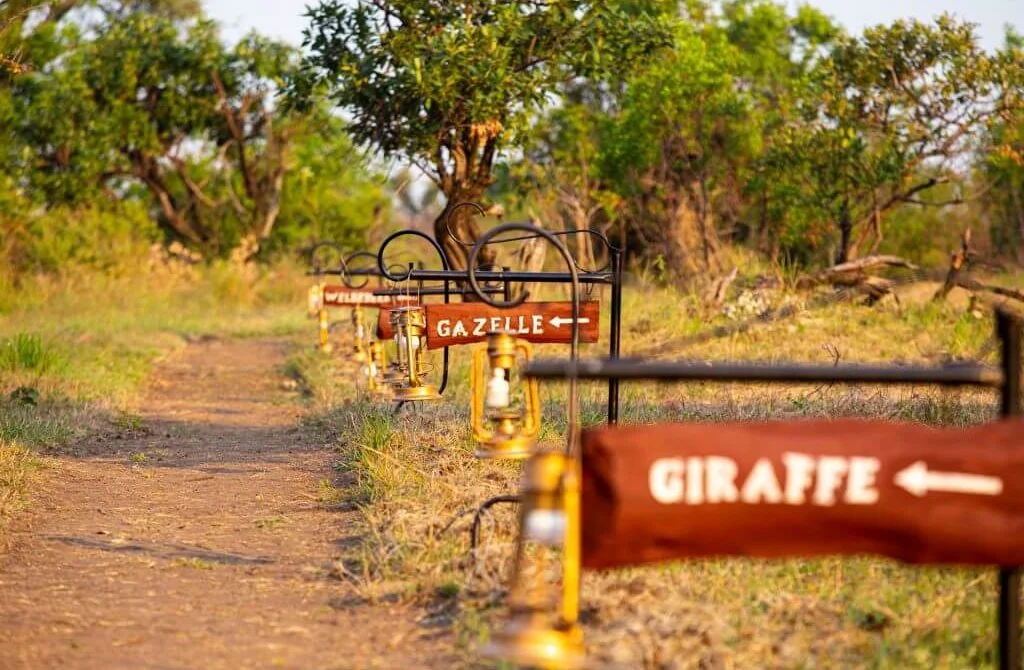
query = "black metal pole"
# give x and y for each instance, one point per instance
(507, 286)
(615, 334)
(634, 369)
(512, 276)
(1008, 330)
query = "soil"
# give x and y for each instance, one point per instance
(199, 539)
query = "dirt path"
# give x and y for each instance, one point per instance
(210, 551)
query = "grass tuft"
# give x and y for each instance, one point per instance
(28, 352)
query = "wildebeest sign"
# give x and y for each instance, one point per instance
(345, 296)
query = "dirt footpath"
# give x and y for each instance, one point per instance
(197, 540)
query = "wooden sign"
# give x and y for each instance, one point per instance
(542, 322)
(349, 297)
(803, 488)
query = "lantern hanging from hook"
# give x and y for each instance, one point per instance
(376, 370)
(542, 629)
(410, 326)
(359, 354)
(501, 428)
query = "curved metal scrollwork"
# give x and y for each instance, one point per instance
(398, 278)
(603, 239)
(346, 274)
(574, 282)
(316, 268)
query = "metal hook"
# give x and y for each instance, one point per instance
(347, 263)
(482, 212)
(313, 261)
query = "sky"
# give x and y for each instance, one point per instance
(283, 18)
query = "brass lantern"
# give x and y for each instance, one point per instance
(410, 324)
(543, 630)
(359, 334)
(375, 370)
(394, 373)
(318, 310)
(501, 429)
(315, 302)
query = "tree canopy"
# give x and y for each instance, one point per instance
(448, 85)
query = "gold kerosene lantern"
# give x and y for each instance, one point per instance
(374, 370)
(543, 630)
(316, 309)
(359, 335)
(500, 428)
(410, 326)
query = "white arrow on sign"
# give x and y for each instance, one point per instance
(917, 480)
(558, 321)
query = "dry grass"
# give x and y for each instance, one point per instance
(17, 466)
(415, 479)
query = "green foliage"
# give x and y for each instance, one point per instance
(461, 78)
(29, 353)
(331, 194)
(887, 116)
(139, 125)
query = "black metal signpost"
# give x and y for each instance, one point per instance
(485, 283)
(1006, 379)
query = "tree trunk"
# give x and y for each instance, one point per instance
(455, 229)
(845, 234)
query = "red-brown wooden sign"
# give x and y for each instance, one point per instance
(345, 296)
(803, 488)
(465, 323)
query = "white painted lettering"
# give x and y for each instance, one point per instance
(799, 468)
(761, 484)
(860, 485)
(665, 480)
(459, 330)
(694, 481)
(479, 327)
(721, 480)
(538, 324)
(829, 478)
(495, 323)
(444, 328)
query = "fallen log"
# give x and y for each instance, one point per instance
(852, 273)
(974, 285)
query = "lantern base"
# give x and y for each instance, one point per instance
(417, 393)
(358, 356)
(517, 447)
(529, 640)
(325, 348)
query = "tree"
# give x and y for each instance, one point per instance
(150, 103)
(667, 150)
(1001, 170)
(889, 115)
(448, 85)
